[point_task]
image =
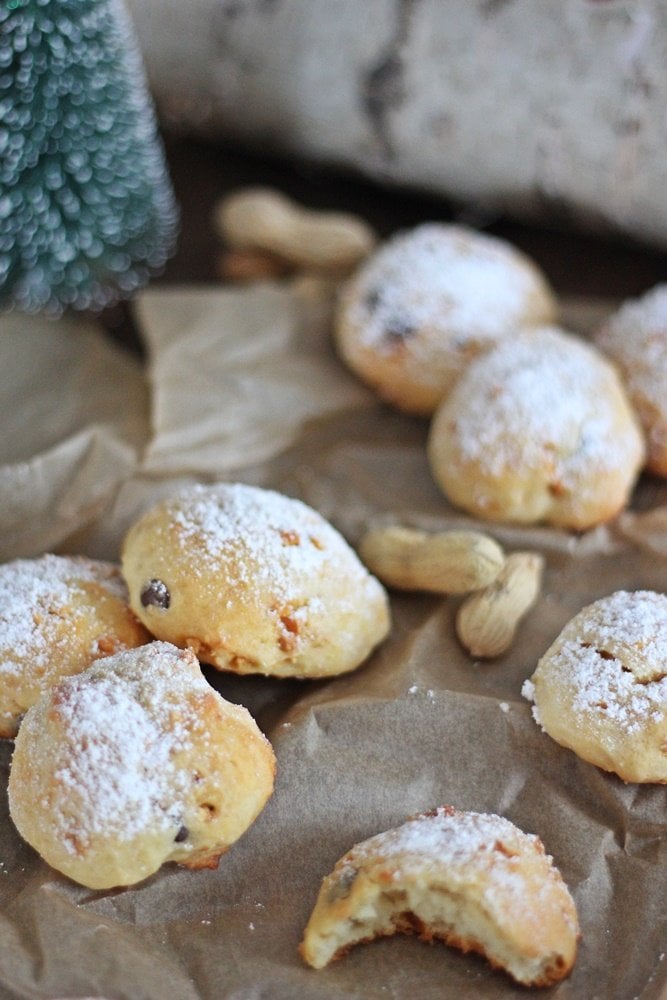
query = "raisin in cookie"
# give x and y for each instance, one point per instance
(473, 880)
(57, 615)
(601, 687)
(135, 762)
(427, 302)
(254, 582)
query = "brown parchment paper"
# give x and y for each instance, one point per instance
(244, 384)
(74, 420)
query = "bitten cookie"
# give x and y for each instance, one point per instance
(135, 762)
(473, 880)
(538, 429)
(427, 302)
(601, 687)
(635, 338)
(57, 615)
(253, 582)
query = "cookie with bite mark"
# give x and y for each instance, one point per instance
(472, 880)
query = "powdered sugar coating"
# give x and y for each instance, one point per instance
(464, 844)
(635, 337)
(542, 420)
(450, 837)
(253, 531)
(429, 300)
(601, 688)
(122, 783)
(615, 691)
(595, 659)
(121, 724)
(471, 285)
(34, 592)
(134, 762)
(535, 393)
(57, 615)
(257, 582)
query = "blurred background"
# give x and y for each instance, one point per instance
(543, 123)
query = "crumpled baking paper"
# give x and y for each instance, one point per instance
(244, 384)
(74, 419)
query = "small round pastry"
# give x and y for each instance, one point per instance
(253, 582)
(635, 338)
(539, 429)
(473, 880)
(135, 762)
(427, 302)
(601, 687)
(57, 615)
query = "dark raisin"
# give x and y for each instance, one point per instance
(373, 300)
(155, 593)
(399, 330)
(183, 834)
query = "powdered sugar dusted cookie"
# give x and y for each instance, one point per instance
(57, 615)
(635, 337)
(538, 429)
(473, 880)
(254, 582)
(135, 762)
(601, 687)
(427, 302)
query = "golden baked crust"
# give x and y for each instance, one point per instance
(253, 582)
(635, 338)
(601, 687)
(473, 880)
(538, 429)
(57, 615)
(427, 302)
(135, 762)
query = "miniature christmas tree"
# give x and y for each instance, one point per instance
(87, 213)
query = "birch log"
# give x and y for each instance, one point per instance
(524, 106)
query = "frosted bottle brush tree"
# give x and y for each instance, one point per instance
(87, 212)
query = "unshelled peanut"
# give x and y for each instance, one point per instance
(443, 562)
(486, 622)
(265, 219)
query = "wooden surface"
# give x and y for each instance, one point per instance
(576, 263)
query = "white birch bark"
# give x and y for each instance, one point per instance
(528, 106)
